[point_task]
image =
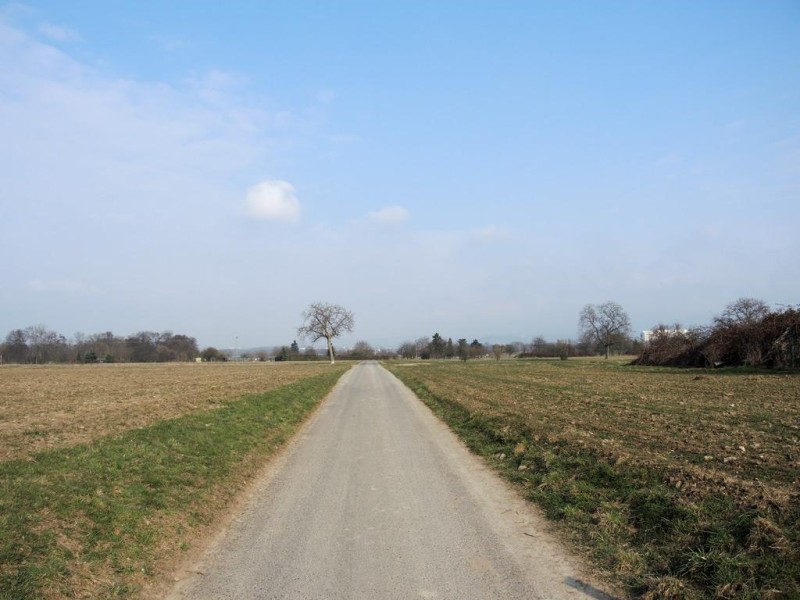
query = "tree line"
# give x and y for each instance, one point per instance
(437, 347)
(39, 345)
(747, 332)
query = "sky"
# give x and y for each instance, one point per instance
(477, 169)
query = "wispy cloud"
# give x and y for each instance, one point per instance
(58, 33)
(390, 214)
(273, 200)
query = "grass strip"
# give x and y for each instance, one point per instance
(94, 520)
(630, 518)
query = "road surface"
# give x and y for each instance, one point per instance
(377, 499)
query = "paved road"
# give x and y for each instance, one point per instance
(376, 499)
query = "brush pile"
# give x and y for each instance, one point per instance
(747, 333)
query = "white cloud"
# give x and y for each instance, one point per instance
(273, 200)
(390, 214)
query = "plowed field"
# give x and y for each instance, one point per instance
(684, 483)
(58, 406)
(744, 426)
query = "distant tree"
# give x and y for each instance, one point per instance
(294, 348)
(744, 311)
(211, 354)
(261, 356)
(165, 354)
(311, 352)
(108, 345)
(564, 349)
(362, 351)
(498, 350)
(46, 345)
(282, 354)
(449, 349)
(328, 321)
(182, 347)
(476, 349)
(437, 346)
(142, 346)
(604, 325)
(151, 346)
(539, 346)
(463, 349)
(16, 347)
(407, 350)
(423, 346)
(80, 346)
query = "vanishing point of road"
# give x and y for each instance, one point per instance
(377, 499)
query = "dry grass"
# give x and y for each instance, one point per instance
(59, 406)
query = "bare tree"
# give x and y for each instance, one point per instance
(16, 346)
(407, 350)
(741, 323)
(322, 320)
(605, 325)
(422, 347)
(744, 311)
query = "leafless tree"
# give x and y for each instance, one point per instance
(498, 350)
(744, 311)
(322, 320)
(741, 323)
(605, 325)
(422, 346)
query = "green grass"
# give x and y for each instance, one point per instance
(95, 520)
(544, 426)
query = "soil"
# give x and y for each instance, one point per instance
(57, 406)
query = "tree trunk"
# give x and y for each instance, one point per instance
(330, 350)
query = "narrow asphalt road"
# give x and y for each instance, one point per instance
(377, 499)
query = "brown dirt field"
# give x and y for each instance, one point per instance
(717, 425)
(57, 406)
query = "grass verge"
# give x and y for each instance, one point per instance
(97, 520)
(659, 525)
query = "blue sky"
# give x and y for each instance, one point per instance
(481, 169)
